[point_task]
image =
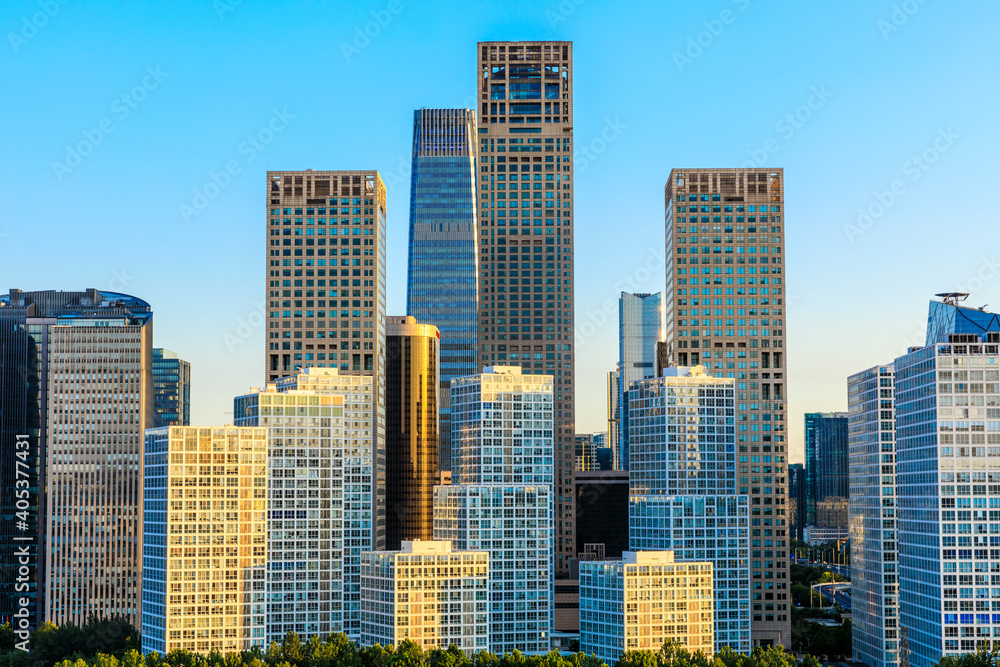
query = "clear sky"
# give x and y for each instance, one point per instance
(116, 115)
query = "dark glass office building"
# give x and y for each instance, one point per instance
(441, 285)
(172, 383)
(411, 434)
(826, 459)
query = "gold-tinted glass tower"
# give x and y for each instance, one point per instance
(725, 309)
(413, 358)
(525, 168)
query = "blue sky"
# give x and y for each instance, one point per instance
(881, 106)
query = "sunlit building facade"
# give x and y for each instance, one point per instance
(642, 601)
(411, 436)
(428, 594)
(205, 522)
(442, 272)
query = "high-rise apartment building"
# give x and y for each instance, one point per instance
(428, 594)
(320, 496)
(724, 306)
(172, 386)
(826, 460)
(77, 397)
(525, 162)
(642, 601)
(640, 328)
(442, 273)
(947, 410)
(205, 523)
(411, 435)
(684, 464)
(874, 538)
(501, 498)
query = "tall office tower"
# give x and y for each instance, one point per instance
(172, 384)
(684, 465)
(326, 286)
(525, 157)
(640, 328)
(586, 452)
(796, 500)
(874, 556)
(320, 498)
(77, 395)
(411, 435)
(724, 306)
(205, 519)
(428, 594)
(643, 601)
(442, 272)
(501, 498)
(614, 422)
(826, 459)
(947, 398)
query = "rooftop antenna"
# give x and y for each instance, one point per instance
(953, 298)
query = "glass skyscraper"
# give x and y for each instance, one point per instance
(826, 460)
(640, 328)
(441, 282)
(172, 384)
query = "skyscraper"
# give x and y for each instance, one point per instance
(640, 328)
(78, 381)
(724, 306)
(320, 498)
(501, 498)
(326, 286)
(172, 384)
(684, 470)
(206, 550)
(874, 536)
(442, 272)
(411, 436)
(796, 500)
(525, 162)
(614, 417)
(826, 460)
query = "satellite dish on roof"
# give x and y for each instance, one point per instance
(952, 298)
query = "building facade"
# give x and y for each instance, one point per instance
(205, 522)
(826, 460)
(796, 499)
(614, 417)
(78, 392)
(642, 601)
(525, 161)
(428, 594)
(947, 415)
(326, 286)
(640, 328)
(686, 494)
(411, 438)
(724, 306)
(320, 498)
(501, 498)
(442, 272)
(172, 384)
(602, 506)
